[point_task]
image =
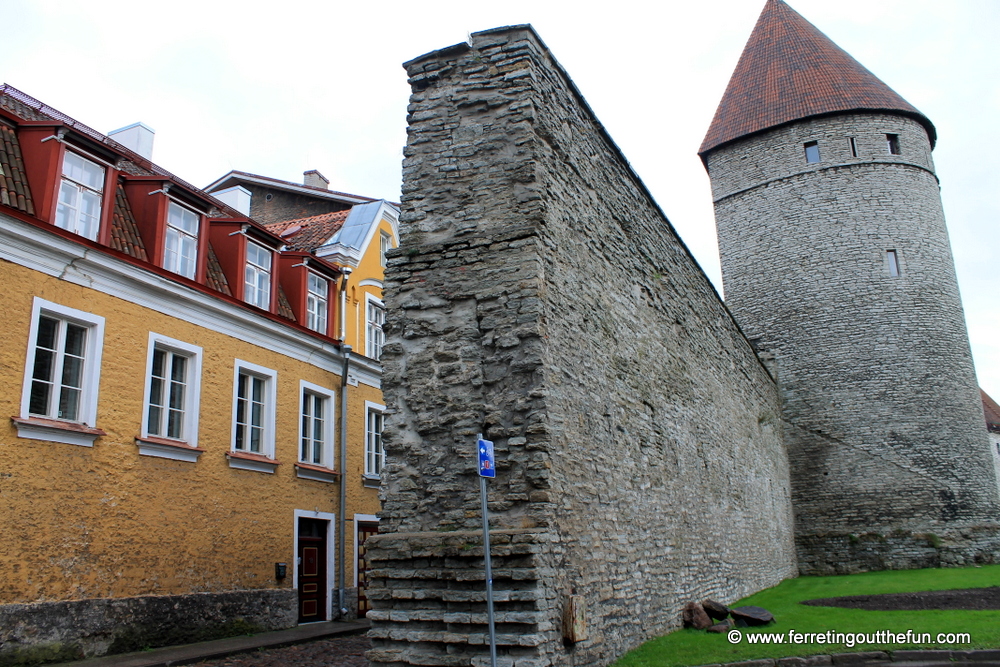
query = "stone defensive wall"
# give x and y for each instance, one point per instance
(540, 296)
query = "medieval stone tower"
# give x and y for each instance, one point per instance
(836, 262)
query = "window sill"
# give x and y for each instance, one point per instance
(165, 448)
(316, 473)
(371, 481)
(251, 462)
(53, 430)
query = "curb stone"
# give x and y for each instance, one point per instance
(914, 658)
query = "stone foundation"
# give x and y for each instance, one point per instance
(72, 630)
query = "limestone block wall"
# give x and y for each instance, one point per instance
(890, 461)
(540, 296)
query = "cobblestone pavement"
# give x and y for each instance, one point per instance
(336, 652)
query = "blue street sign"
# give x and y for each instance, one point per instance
(487, 465)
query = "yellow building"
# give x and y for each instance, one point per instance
(192, 447)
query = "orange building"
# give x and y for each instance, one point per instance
(192, 443)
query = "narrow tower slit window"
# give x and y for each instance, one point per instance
(892, 143)
(854, 146)
(812, 151)
(893, 260)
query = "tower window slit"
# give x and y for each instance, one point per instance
(892, 143)
(854, 146)
(812, 151)
(893, 259)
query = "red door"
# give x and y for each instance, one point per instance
(365, 529)
(312, 570)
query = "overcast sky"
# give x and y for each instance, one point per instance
(280, 88)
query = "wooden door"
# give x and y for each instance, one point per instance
(365, 529)
(312, 570)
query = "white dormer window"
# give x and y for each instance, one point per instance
(80, 195)
(257, 288)
(386, 244)
(181, 252)
(317, 303)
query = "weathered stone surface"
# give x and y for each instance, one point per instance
(806, 661)
(71, 630)
(724, 625)
(716, 610)
(859, 658)
(752, 615)
(539, 296)
(695, 617)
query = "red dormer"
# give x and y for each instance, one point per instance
(73, 179)
(310, 285)
(247, 255)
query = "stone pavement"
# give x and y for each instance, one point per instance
(220, 648)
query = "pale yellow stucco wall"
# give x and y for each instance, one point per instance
(82, 522)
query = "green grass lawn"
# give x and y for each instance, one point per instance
(697, 647)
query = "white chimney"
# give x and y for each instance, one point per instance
(136, 137)
(237, 196)
(315, 179)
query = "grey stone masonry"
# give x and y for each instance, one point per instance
(74, 629)
(539, 296)
(842, 271)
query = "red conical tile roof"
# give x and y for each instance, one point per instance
(790, 70)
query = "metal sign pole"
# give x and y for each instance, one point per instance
(487, 468)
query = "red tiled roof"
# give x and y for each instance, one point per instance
(312, 232)
(790, 70)
(992, 411)
(14, 190)
(214, 277)
(124, 232)
(284, 307)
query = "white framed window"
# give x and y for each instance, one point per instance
(180, 253)
(316, 429)
(172, 398)
(80, 194)
(317, 302)
(62, 373)
(257, 284)
(385, 243)
(374, 334)
(253, 416)
(374, 451)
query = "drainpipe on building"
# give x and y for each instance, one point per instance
(342, 527)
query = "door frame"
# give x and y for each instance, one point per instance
(360, 518)
(331, 551)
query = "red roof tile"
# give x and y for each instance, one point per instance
(284, 307)
(992, 411)
(214, 277)
(790, 70)
(124, 232)
(14, 190)
(311, 232)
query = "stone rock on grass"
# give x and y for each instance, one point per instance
(752, 615)
(695, 617)
(716, 610)
(724, 625)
